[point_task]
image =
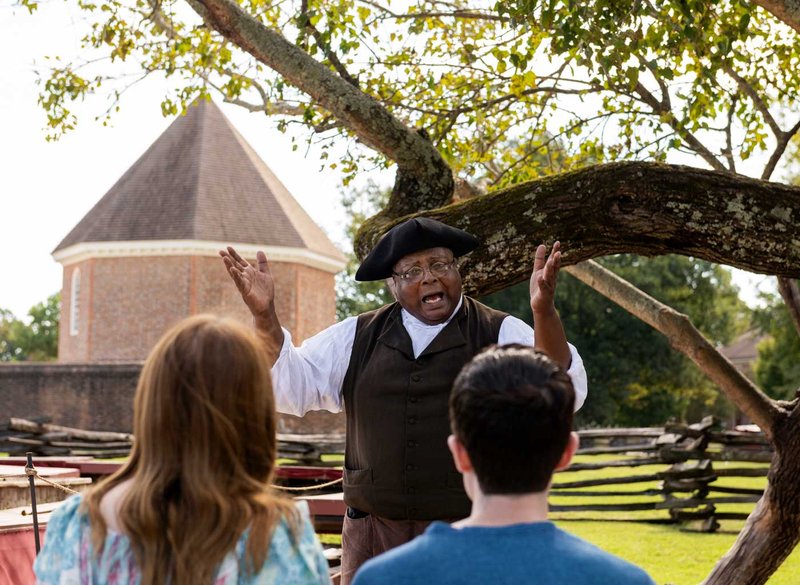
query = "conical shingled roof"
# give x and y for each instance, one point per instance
(201, 181)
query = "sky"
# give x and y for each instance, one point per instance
(47, 187)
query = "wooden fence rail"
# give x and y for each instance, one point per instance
(685, 462)
(672, 470)
(19, 436)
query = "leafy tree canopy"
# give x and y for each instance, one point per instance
(493, 85)
(693, 71)
(353, 298)
(778, 368)
(9, 332)
(36, 341)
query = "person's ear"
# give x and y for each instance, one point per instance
(459, 453)
(569, 451)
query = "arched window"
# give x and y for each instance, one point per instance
(74, 302)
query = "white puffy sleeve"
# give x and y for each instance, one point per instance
(310, 377)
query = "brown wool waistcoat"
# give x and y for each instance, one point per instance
(397, 464)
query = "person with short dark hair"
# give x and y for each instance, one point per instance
(391, 370)
(511, 414)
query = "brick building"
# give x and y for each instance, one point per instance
(146, 255)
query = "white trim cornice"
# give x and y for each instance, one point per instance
(86, 250)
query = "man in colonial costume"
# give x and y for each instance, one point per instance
(392, 369)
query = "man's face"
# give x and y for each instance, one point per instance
(433, 297)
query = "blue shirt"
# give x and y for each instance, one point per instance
(68, 558)
(536, 553)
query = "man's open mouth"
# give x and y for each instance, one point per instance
(432, 299)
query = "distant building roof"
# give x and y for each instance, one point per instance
(743, 351)
(201, 181)
(743, 347)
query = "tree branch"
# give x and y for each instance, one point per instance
(786, 10)
(485, 104)
(728, 152)
(304, 22)
(684, 337)
(269, 108)
(749, 91)
(691, 140)
(790, 293)
(457, 13)
(780, 148)
(630, 207)
(162, 23)
(280, 108)
(427, 179)
(665, 102)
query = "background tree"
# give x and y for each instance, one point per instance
(442, 88)
(353, 298)
(777, 369)
(9, 333)
(636, 378)
(36, 341)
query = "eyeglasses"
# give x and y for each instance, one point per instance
(414, 274)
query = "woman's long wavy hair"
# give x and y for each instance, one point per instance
(203, 456)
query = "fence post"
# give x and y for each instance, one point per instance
(31, 473)
(679, 444)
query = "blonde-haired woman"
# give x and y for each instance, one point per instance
(192, 505)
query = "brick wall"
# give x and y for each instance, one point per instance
(134, 301)
(96, 397)
(100, 397)
(126, 304)
(316, 307)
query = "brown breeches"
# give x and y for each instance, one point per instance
(364, 538)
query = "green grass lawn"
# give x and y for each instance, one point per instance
(670, 554)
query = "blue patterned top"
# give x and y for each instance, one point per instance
(68, 558)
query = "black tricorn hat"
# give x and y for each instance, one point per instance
(412, 236)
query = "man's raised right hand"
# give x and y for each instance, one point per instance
(254, 284)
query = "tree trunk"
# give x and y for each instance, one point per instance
(773, 529)
(631, 207)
